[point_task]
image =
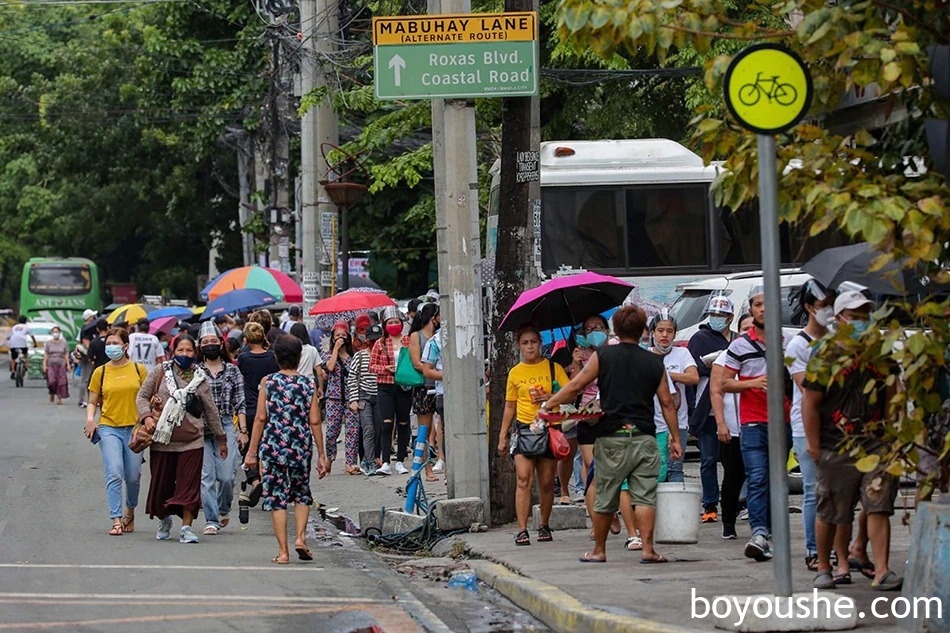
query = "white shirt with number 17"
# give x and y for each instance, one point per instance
(145, 349)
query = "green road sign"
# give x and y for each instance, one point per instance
(434, 71)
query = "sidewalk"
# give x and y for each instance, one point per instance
(621, 595)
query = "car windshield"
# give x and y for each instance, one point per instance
(690, 308)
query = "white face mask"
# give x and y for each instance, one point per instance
(56, 336)
(825, 316)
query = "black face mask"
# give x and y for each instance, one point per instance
(211, 352)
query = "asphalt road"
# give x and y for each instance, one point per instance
(59, 570)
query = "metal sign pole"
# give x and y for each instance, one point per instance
(775, 360)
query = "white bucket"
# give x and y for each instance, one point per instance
(677, 513)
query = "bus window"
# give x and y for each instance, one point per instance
(59, 281)
(666, 226)
(582, 228)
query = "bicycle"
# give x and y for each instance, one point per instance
(782, 94)
(19, 370)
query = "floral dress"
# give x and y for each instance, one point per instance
(286, 445)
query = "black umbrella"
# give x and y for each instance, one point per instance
(833, 266)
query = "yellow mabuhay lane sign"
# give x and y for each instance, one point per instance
(767, 88)
(455, 29)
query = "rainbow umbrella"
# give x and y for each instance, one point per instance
(130, 313)
(270, 280)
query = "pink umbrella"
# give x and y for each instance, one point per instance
(566, 301)
(164, 324)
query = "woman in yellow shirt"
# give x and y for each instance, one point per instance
(112, 390)
(530, 383)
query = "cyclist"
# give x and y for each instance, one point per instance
(18, 343)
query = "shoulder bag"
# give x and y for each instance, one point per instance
(406, 374)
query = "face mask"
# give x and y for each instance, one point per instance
(860, 327)
(164, 344)
(825, 316)
(596, 339)
(56, 336)
(644, 345)
(718, 323)
(211, 352)
(184, 362)
(394, 329)
(114, 352)
(661, 348)
(581, 340)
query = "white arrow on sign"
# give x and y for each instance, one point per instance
(397, 63)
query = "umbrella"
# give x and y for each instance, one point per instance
(347, 304)
(270, 280)
(237, 300)
(163, 324)
(130, 313)
(833, 266)
(357, 282)
(565, 301)
(171, 311)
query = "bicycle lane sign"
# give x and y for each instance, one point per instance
(768, 88)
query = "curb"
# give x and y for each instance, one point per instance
(557, 609)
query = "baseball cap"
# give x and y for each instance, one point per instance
(852, 300)
(88, 314)
(362, 320)
(721, 305)
(374, 332)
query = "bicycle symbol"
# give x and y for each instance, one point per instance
(782, 94)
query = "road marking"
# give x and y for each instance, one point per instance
(192, 597)
(280, 568)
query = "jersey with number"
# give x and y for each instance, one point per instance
(145, 349)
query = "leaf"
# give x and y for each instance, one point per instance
(891, 72)
(868, 463)
(896, 469)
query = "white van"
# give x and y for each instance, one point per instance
(689, 309)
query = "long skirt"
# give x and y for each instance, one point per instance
(57, 381)
(176, 483)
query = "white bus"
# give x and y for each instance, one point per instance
(642, 210)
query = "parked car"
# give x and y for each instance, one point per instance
(7, 320)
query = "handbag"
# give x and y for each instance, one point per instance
(560, 447)
(140, 438)
(533, 443)
(407, 375)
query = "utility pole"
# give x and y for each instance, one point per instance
(459, 254)
(278, 160)
(517, 261)
(244, 156)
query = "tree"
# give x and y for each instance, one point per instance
(868, 183)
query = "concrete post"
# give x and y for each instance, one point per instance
(459, 253)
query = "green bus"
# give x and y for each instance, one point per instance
(58, 290)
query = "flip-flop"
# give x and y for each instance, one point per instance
(304, 553)
(276, 560)
(842, 579)
(890, 582)
(116, 530)
(587, 559)
(654, 561)
(865, 569)
(634, 543)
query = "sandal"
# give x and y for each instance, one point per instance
(303, 552)
(842, 579)
(128, 523)
(278, 561)
(634, 543)
(523, 538)
(116, 529)
(811, 562)
(865, 569)
(544, 534)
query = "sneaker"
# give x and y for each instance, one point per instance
(758, 549)
(402, 470)
(385, 469)
(438, 467)
(710, 515)
(210, 530)
(186, 535)
(82, 405)
(729, 532)
(744, 515)
(364, 468)
(164, 529)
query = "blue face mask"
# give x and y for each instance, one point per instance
(581, 340)
(185, 362)
(860, 327)
(596, 338)
(644, 345)
(114, 352)
(718, 323)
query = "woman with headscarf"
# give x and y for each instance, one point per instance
(339, 416)
(56, 366)
(393, 400)
(227, 391)
(175, 402)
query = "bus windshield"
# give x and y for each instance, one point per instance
(59, 280)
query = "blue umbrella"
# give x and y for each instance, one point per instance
(171, 311)
(236, 300)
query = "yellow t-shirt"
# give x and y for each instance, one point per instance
(523, 377)
(121, 385)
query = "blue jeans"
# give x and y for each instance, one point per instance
(577, 485)
(217, 476)
(675, 466)
(754, 440)
(709, 463)
(120, 464)
(809, 500)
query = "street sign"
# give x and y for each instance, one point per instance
(767, 88)
(456, 56)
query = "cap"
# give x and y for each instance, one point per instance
(374, 332)
(341, 325)
(720, 305)
(88, 314)
(208, 328)
(432, 295)
(294, 311)
(852, 300)
(362, 320)
(391, 312)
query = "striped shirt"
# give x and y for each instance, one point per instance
(748, 360)
(360, 382)
(227, 390)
